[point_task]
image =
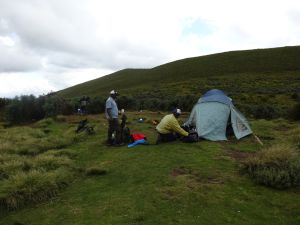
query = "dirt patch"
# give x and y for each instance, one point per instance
(180, 171)
(238, 155)
(194, 179)
(214, 180)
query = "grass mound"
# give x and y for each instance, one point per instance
(95, 171)
(35, 165)
(32, 187)
(277, 166)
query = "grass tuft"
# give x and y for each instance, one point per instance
(32, 187)
(95, 171)
(277, 166)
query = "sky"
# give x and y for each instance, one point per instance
(49, 45)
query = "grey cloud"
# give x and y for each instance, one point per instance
(16, 60)
(65, 36)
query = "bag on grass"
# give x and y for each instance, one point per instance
(192, 137)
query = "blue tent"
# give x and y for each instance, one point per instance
(213, 113)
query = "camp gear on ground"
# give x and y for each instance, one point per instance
(138, 142)
(192, 137)
(123, 121)
(211, 115)
(169, 124)
(125, 135)
(141, 120)
(136, 137)
(83, 126)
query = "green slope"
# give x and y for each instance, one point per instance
(227, 71)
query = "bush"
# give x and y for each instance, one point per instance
(55, 105)
(96, 105)
(44, 123)
(28, 108)
(24, 109)
(278, 167)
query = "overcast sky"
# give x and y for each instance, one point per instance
(48, 45)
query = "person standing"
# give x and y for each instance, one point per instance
(111, 113)
(169, 129)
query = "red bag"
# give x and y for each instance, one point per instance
(137, 137)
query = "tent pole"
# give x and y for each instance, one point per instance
(258, 140)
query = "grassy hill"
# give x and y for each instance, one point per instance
(227, 71)
(264, 83)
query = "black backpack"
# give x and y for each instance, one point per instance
(126, 135)
(192, 137)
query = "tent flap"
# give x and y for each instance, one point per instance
(239, 123)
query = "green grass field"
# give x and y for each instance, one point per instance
(174, 183)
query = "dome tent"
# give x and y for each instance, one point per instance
(213, 113)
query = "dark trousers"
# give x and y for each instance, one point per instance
(166, 137)
(113, 128)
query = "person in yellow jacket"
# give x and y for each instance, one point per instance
(169, 129)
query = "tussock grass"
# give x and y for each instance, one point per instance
(277, 166)
(32, 187)
(294, 137)
(62, 152)
(34, 143)
(44, 123)
(49, 162)
(34, 166)
(13, 163)
(60, 118)
(95, 171)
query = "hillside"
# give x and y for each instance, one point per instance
(201, 73)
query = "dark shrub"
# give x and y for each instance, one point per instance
(96, 105)
(24, 109)
(55, 105)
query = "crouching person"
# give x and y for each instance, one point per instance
(169, 129)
